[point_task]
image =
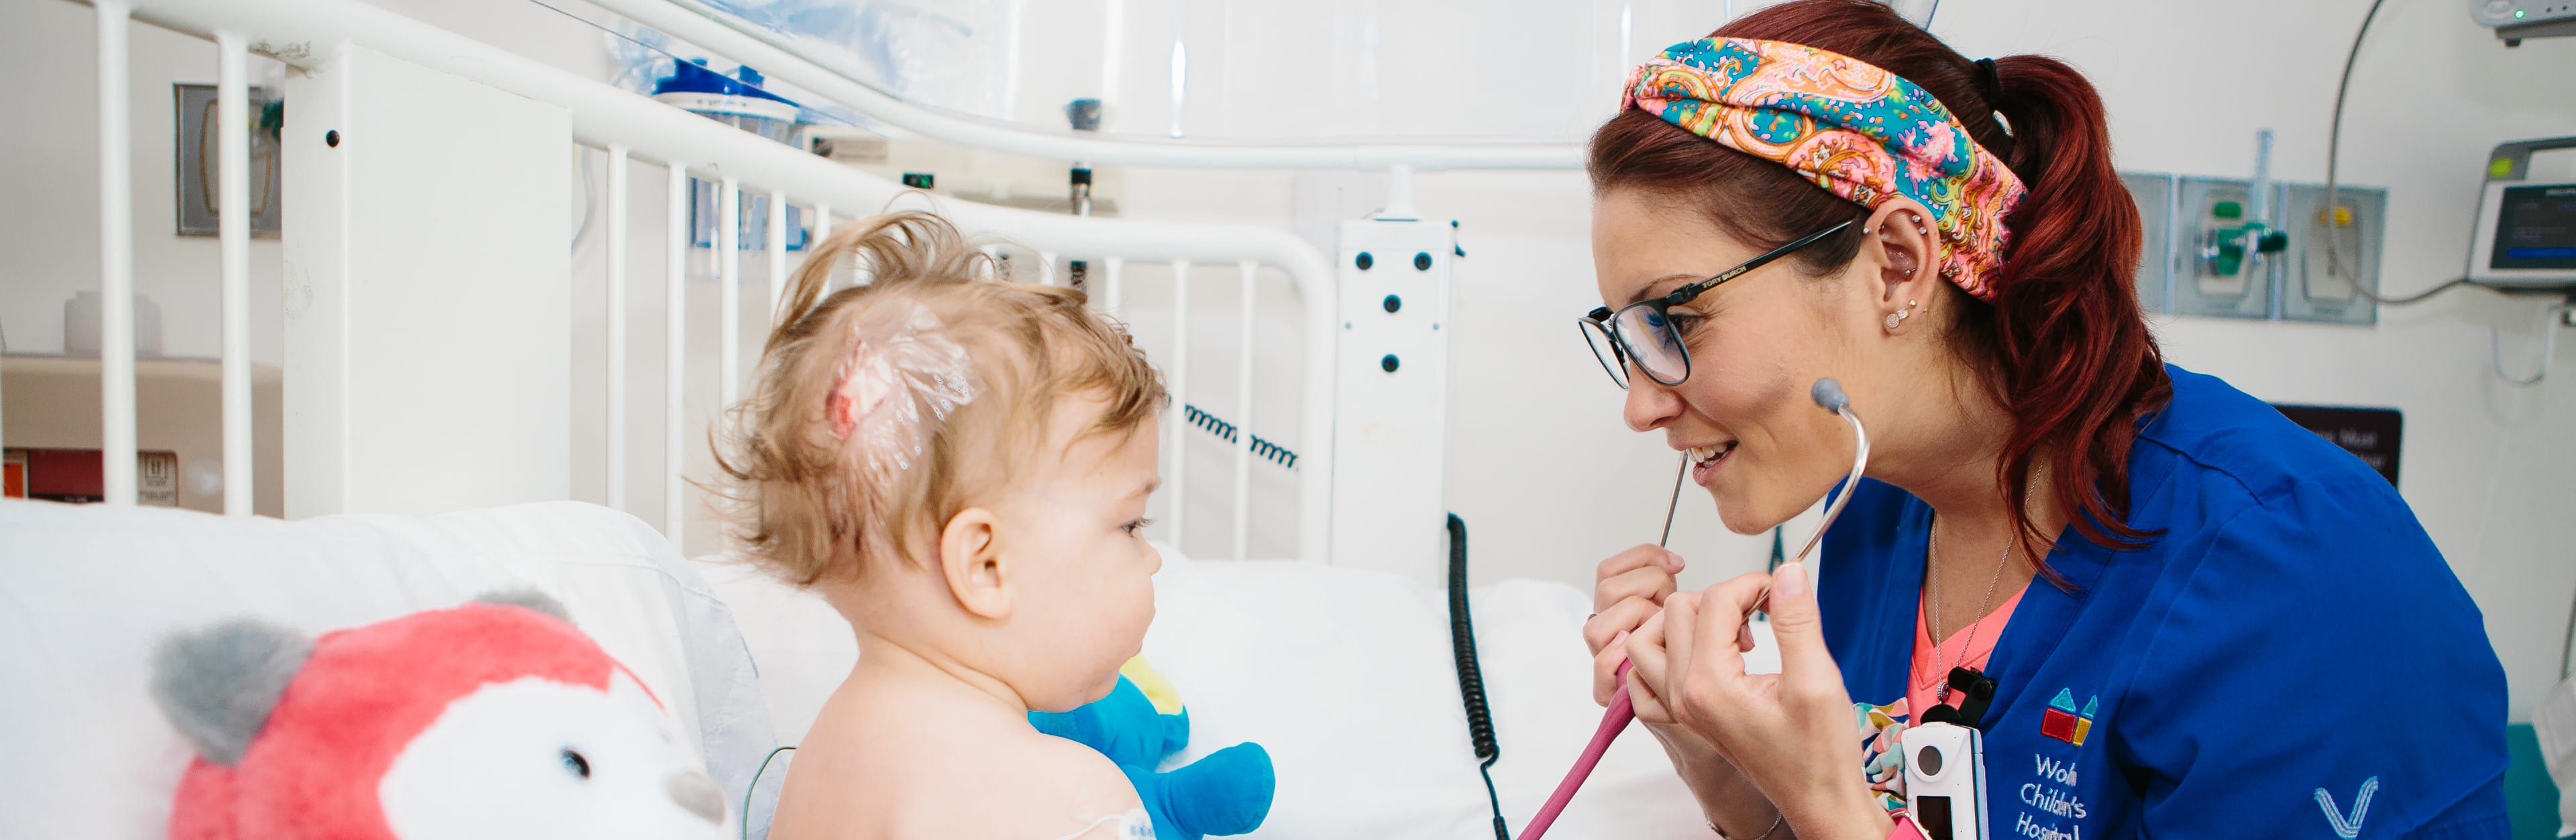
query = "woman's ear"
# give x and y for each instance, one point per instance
(970, 558)
(1904, 250)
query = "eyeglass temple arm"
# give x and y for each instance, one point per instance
(1685, 293)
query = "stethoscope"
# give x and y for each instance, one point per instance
(1828, 395)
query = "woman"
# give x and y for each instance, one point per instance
(2199, 620)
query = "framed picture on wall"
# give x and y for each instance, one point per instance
(197, 142)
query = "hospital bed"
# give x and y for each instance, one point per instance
(1343, 674)
(421, 470)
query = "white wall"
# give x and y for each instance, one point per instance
(1539, 464)
(49, 159)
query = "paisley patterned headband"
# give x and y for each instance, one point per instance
(1861, 132)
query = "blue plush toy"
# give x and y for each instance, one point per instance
(1225, 792)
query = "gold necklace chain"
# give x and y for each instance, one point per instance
(1932, 554)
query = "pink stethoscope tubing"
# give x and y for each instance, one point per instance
(1827, 394)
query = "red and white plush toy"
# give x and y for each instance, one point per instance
(495, 719)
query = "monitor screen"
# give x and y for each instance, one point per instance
(2536, 228)
(1932, 814)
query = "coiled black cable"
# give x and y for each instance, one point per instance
(1261, 448)
(1471, 678)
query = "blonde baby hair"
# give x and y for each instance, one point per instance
(883, 409)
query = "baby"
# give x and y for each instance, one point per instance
(960, 467)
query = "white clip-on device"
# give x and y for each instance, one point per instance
(1945, 780)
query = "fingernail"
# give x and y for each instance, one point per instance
(1791, 579)
(1674, 561)
(1615, 640)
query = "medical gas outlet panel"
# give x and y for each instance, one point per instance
(2223, 248)
(1392, 389)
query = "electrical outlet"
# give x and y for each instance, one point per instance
(2220, 264)
(2332, 252)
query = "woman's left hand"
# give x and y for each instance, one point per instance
(1792, 733)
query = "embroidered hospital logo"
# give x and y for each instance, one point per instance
(2348, 826)
(2063, 722)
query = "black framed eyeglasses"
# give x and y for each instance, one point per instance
(1643, 333)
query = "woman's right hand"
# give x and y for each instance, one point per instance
(1627, 589)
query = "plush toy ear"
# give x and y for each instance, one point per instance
(218, 685)
(529, 598)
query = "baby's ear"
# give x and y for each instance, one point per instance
(970, 558)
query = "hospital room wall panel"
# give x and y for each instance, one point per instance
(428, 367)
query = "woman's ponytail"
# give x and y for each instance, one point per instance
(2074, 363)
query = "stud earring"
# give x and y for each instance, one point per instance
(1897, 318)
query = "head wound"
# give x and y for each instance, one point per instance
(902, 377)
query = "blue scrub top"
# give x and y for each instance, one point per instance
(2291, 657)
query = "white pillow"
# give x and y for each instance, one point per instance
(87, 591)
(1346, 677)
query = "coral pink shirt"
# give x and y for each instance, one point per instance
(1967, 647)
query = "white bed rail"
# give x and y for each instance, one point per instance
(694, 22)
(629, 127)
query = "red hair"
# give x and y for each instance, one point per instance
(2064, 347)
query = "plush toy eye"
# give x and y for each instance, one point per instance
(576, 764)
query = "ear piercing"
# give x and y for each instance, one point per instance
(1897, 318)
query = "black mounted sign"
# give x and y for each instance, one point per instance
(2371, 434)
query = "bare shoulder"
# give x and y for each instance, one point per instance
(960, 782)
(1072, 790)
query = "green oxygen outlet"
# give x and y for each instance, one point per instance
(2225, 253)
(2224, 248)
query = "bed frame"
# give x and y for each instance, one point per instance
(401, 134)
